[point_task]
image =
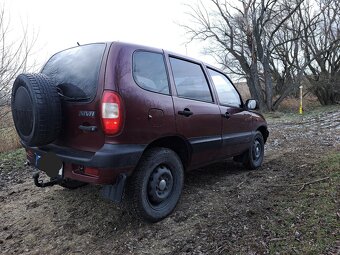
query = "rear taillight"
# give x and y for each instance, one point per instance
(111, 110)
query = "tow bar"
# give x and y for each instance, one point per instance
(42, 184)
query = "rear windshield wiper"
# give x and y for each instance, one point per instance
(73, 99)
(69, 98)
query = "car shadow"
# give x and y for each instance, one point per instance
(87, 200)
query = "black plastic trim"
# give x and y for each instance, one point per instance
(109, 156)
(212, 142)
(205, 143)
(236, 138)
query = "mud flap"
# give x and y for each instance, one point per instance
(115, 192)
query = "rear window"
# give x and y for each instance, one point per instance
(76, 70)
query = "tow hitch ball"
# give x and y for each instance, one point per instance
(42, 184)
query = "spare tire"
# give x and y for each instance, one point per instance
(36, 109)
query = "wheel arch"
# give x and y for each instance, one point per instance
(264, 132)
(175, 143)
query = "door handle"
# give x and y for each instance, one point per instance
(186, 112)
(226, 115)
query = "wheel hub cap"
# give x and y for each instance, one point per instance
(160, 184)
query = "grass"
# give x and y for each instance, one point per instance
(307, 222)
(14, 158)
(331, 163)
(295, 116)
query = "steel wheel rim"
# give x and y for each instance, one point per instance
(257, 150)
(160, 186)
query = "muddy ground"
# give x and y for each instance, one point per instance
(288, 206)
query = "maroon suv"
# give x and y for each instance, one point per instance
(134, 119)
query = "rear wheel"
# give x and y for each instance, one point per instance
(156, 185)
(253, 158)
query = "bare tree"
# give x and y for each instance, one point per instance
(243, 37)
(322, 48)
(261, 41)
(14, 54)
(287, 62)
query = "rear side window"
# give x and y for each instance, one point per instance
(226, 92)
(76, 70)
(190, 80)
(149, 71)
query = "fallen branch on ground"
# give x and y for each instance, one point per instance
(239, 185)
(315, 181)
(278, 239)
(303, 185)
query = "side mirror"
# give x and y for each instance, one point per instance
(252, 104)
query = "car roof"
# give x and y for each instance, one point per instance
(171, 53)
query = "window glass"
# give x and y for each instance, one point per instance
(190, 80)
(226, 92)
(76, 70)
(149, 71)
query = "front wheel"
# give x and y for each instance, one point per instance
(253, 158)
(156, 185)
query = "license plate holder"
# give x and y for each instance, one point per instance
(49, 163)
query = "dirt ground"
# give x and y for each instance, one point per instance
(288, 206)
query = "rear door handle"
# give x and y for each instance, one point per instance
(226, 115)
(186, 112)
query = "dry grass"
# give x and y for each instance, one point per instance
(8, 139)
(243, 90)
(288, 105)
(8, 136)
(291, 104)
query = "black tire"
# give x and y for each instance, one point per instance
(155, 187)
(36, 109)
(253, 158)
(71, 184)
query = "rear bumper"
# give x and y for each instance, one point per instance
(110, 160)
(109, 156)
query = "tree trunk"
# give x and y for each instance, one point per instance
(254, 87)
(268, 83)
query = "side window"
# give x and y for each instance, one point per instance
(226, 92)
(190, 80)
(149, 71)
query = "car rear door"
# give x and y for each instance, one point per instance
(198, 117)
(236, 122)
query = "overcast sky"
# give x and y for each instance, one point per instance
(61, 24)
